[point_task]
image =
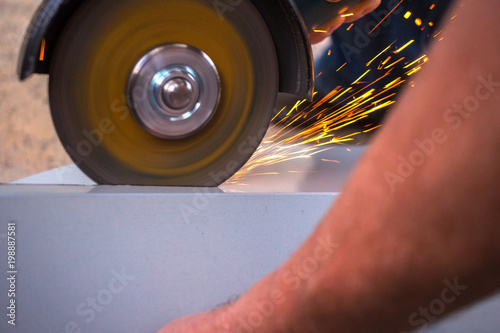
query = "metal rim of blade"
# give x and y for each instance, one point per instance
(88, 80)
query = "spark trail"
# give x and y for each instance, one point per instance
(309, 128)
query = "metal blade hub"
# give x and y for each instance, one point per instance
(174, 90)
(178, 93)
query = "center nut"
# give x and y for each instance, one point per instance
(183, 88)
(175, 92)
(178, 93)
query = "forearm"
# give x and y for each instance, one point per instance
(401, 233)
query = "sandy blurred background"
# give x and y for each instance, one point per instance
(28, 142)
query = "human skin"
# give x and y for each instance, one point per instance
(358, 11)
(399, 241)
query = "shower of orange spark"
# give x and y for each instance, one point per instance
(307, 129)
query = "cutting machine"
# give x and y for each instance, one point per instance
(169, 92)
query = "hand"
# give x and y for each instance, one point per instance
(205, 322)
(234, 316)
(358, 11)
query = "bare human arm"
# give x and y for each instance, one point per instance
(419, 219)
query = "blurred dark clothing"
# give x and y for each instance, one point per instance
(357, 47)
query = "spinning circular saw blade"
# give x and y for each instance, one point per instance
(167, 92)
(162, 92)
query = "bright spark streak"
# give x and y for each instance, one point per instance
(378, 55)
(372, 129)
(382, 64)
(359, 78)
(295, 106)
(404, 46)
(386, 17)
(394, 63)
(437, 33)
(42, 50)
(389, 85)
(414, 70)
(414, 62)
(345, 91)
(277, 114)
